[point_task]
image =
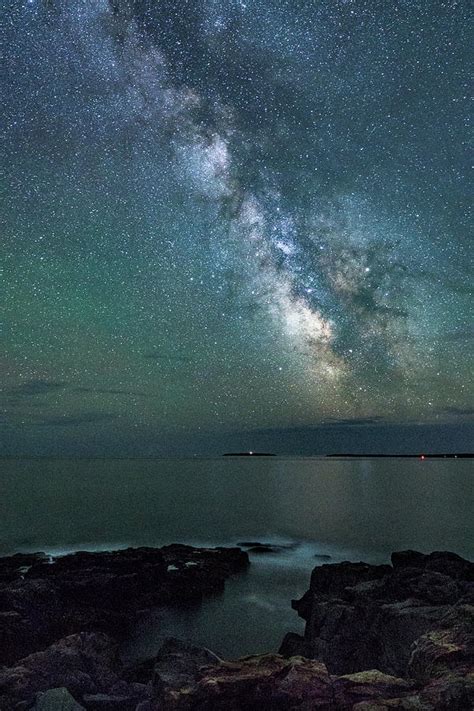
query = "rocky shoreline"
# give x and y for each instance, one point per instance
(377, 637)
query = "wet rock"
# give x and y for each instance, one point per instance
(251, 544)
(194, 572)
(258, 547)
(264, 549)
(105, 579)
(261, 548)
(45, 601)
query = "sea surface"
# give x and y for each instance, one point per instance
(319, 510)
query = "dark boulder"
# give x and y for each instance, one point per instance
(293, 645)
(444, 562)
(82, 663)
(13, 566)
(361, 616)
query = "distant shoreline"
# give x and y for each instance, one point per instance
(188, 457)
(460, 455)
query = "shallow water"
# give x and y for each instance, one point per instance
(347, 509)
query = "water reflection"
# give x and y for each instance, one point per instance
(373, 507)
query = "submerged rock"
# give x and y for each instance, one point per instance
(264, 549)
(259, 547)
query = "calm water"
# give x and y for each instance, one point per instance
(346, 509)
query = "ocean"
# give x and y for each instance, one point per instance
(317, 510)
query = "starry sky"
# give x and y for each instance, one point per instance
(234, 224)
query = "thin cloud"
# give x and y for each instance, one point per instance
(459, 411)
(355, 422)
(110, 391)
(73, 420)
(32, 388)
(326, 424)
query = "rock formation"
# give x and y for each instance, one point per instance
(397, 636)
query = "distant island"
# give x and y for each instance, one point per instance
(249, 454)
(458, 455)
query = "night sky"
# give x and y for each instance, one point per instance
(235, 224)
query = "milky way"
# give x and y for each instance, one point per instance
(223, 216)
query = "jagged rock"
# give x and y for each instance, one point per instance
(47, 600)
(271, 682)
(444, 562)
(15, 565)
(408, 559)
(392, 637)
(194, 572)
(331, 580)
(367, 686)
(178, 664)
(446, 649)
(452, 691)
(83, 663)
(109, 579)
(257, 682)
(360, 616)
(31, 617)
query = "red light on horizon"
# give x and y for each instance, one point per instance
(422, 456)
